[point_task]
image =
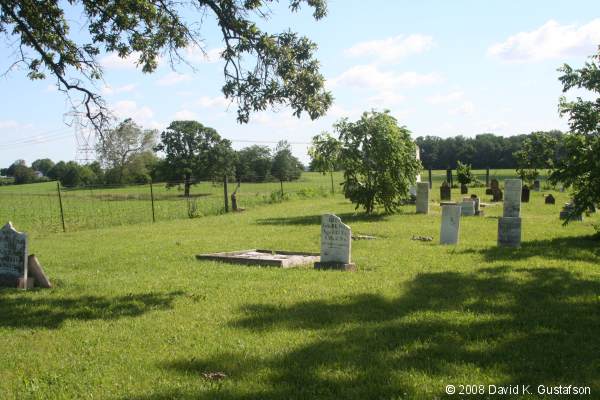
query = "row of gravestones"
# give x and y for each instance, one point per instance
(17, 268)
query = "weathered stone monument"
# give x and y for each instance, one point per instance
(445, 192)
(13, 258)
(422, 198)
(496, 191)
(336, 244)
(450, 224)
(550, 199)
(477, 204)
(464, 189)
(509, 225)
(467, 207)
(536, 185)
(525, 194)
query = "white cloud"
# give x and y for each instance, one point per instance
(465, 108)
(113, 61)
(369, 76)
(385, 99)
(9, 124)
(195, 54)
(130, 109)
(185, 115)
(109, 90)
(393, 48)
(209, 102)
(551, 40)
(446, 98)
(173, 78)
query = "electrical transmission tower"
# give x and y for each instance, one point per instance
(85, 139)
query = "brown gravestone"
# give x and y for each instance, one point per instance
(445, 192)
(550, 199)
(525, 194)
(463, 189)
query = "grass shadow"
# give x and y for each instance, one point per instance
(572, 248)
(528, 326)
(50, 313)
(316, 219)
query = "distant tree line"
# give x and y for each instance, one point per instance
(185, 153)
(485, 150)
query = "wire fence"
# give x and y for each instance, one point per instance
(48, 207)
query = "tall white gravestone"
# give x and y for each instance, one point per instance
(422, 198)
(13, 256)
(336, 244)
(413, 189)
(509, 225)
(450, 224)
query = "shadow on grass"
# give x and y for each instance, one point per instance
(526, 326)
(316, 219)
(573, 248)
(23, 313)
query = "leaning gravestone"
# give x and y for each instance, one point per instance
(336, 243)
(445, 192)
(422, 198)
(450, 224)
(525, 192)
(13, 257)
(509, 225)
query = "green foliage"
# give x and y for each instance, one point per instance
(261, 69)
(379, 160)
(10, 171)
(325, 153)
(24, 174)
(194, 151)
(285, 166)
(463, 173)
(43, 165)
(580, 168)
(253, 164)
(538, 150)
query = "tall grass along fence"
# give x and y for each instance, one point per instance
(49, 207)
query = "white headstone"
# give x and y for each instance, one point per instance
(467, 208)
(13, 255)
(509, 231)
(336, 240)
(450, 224)
(512, 198)
(423, 198)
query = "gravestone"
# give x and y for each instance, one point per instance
(430, 179)
(509, 225)
(463, 189)
(487, 178)
(509, 231)
(449, 177)
(445, 192)
(495, 190)
(422, 198)
(450, 224)
(525, 194)
(467, 208)
(512, 198)
(477, 204)
(494, 184)
(13, 256)
(536, 185)
(567, 210)
(550, 199)
(336, 244)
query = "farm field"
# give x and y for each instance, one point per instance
(135, 316)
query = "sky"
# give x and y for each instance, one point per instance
(441, 67)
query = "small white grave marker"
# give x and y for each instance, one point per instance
(336, 244)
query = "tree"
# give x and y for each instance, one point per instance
(10, 171)
(325, 154)
(261, 69)
(580, 168)
(379, 161)
(76, 175)
(122, 144)
(43, 165)
(285, 166)
(538, 150)
(463, 173)
(58, 171)
(190, 147)
(254, 164)
(24, 174)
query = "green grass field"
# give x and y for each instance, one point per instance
(135, 316)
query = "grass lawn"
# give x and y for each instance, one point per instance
(135, 316)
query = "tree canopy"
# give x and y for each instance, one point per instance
(261, 69)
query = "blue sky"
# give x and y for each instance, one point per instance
(442, 68)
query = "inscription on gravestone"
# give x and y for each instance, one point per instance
(13, 255)
(450, 224)
(512, 198)
(336, 243)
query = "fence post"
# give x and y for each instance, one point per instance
(487, 177)
(152, 200)
(430, 179)
(225, 193)
(62, 214)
